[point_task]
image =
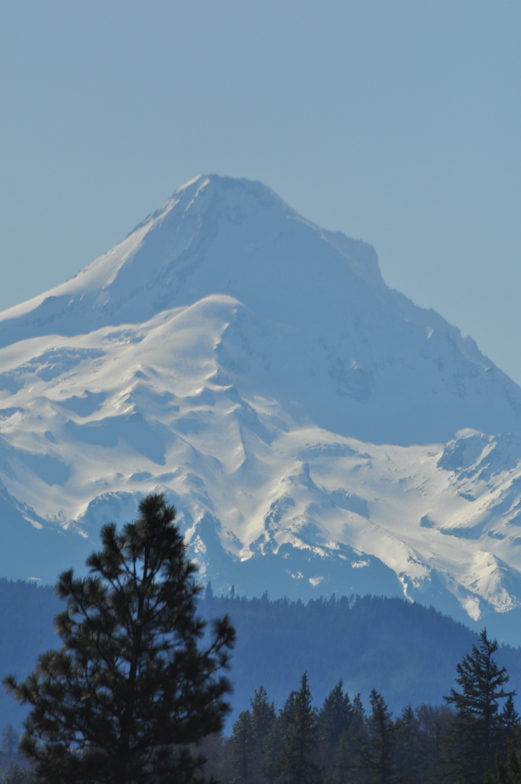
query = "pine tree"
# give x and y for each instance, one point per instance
(509, 720)
(349, 763)
(410, 747)
(508, 772)
(131, 689)
(335, 716)
(262, 719)
(262, 715)
(274, 742)
(333, 720)
(242, 748)
(477, 730)
(296, 763)
(379, 752)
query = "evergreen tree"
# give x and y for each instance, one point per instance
(131, 689)
(274, 743)
(262, 719)
(478, 728)
(508, 772)
(433, 727)
(262, 715)
(335, 716)
(242, 749)
(379, 752)
(333, 720)
(509, 720)
(349, 764)
(411, 751)
(296, 763)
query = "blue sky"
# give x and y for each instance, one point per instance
(396, 122)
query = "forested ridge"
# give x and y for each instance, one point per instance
(405, 651)
(367, 676)
(344, 741)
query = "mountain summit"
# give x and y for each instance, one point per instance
(353, 355)
(214, 234)
(316, 430)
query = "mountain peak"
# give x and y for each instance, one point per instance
(213, 235)
(227, 198)
(294, 409)
(321, 318)
(233, 198)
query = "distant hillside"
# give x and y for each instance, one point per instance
(407, 652)
(26, 630)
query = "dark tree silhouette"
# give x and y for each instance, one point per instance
(296, 763)
(333, 721)
(509, 771)
(379, 751)
(478, 729)
(242, 749)
(131, 690)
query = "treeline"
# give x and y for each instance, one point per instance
(472, 738)
(346, 742)
(367, 642)
(405, 651)
(340, 743)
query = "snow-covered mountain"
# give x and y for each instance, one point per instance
(316, 430)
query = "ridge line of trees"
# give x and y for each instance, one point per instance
(460, 742)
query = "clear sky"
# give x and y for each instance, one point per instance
(395, 121)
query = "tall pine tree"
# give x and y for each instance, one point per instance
(333, 721)
(379, 753)
(241, 748)
(478, 729)
(262, 718)
(349, 762)
(296, 763)
(131, 688)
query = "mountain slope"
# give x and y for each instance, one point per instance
(316, 430)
